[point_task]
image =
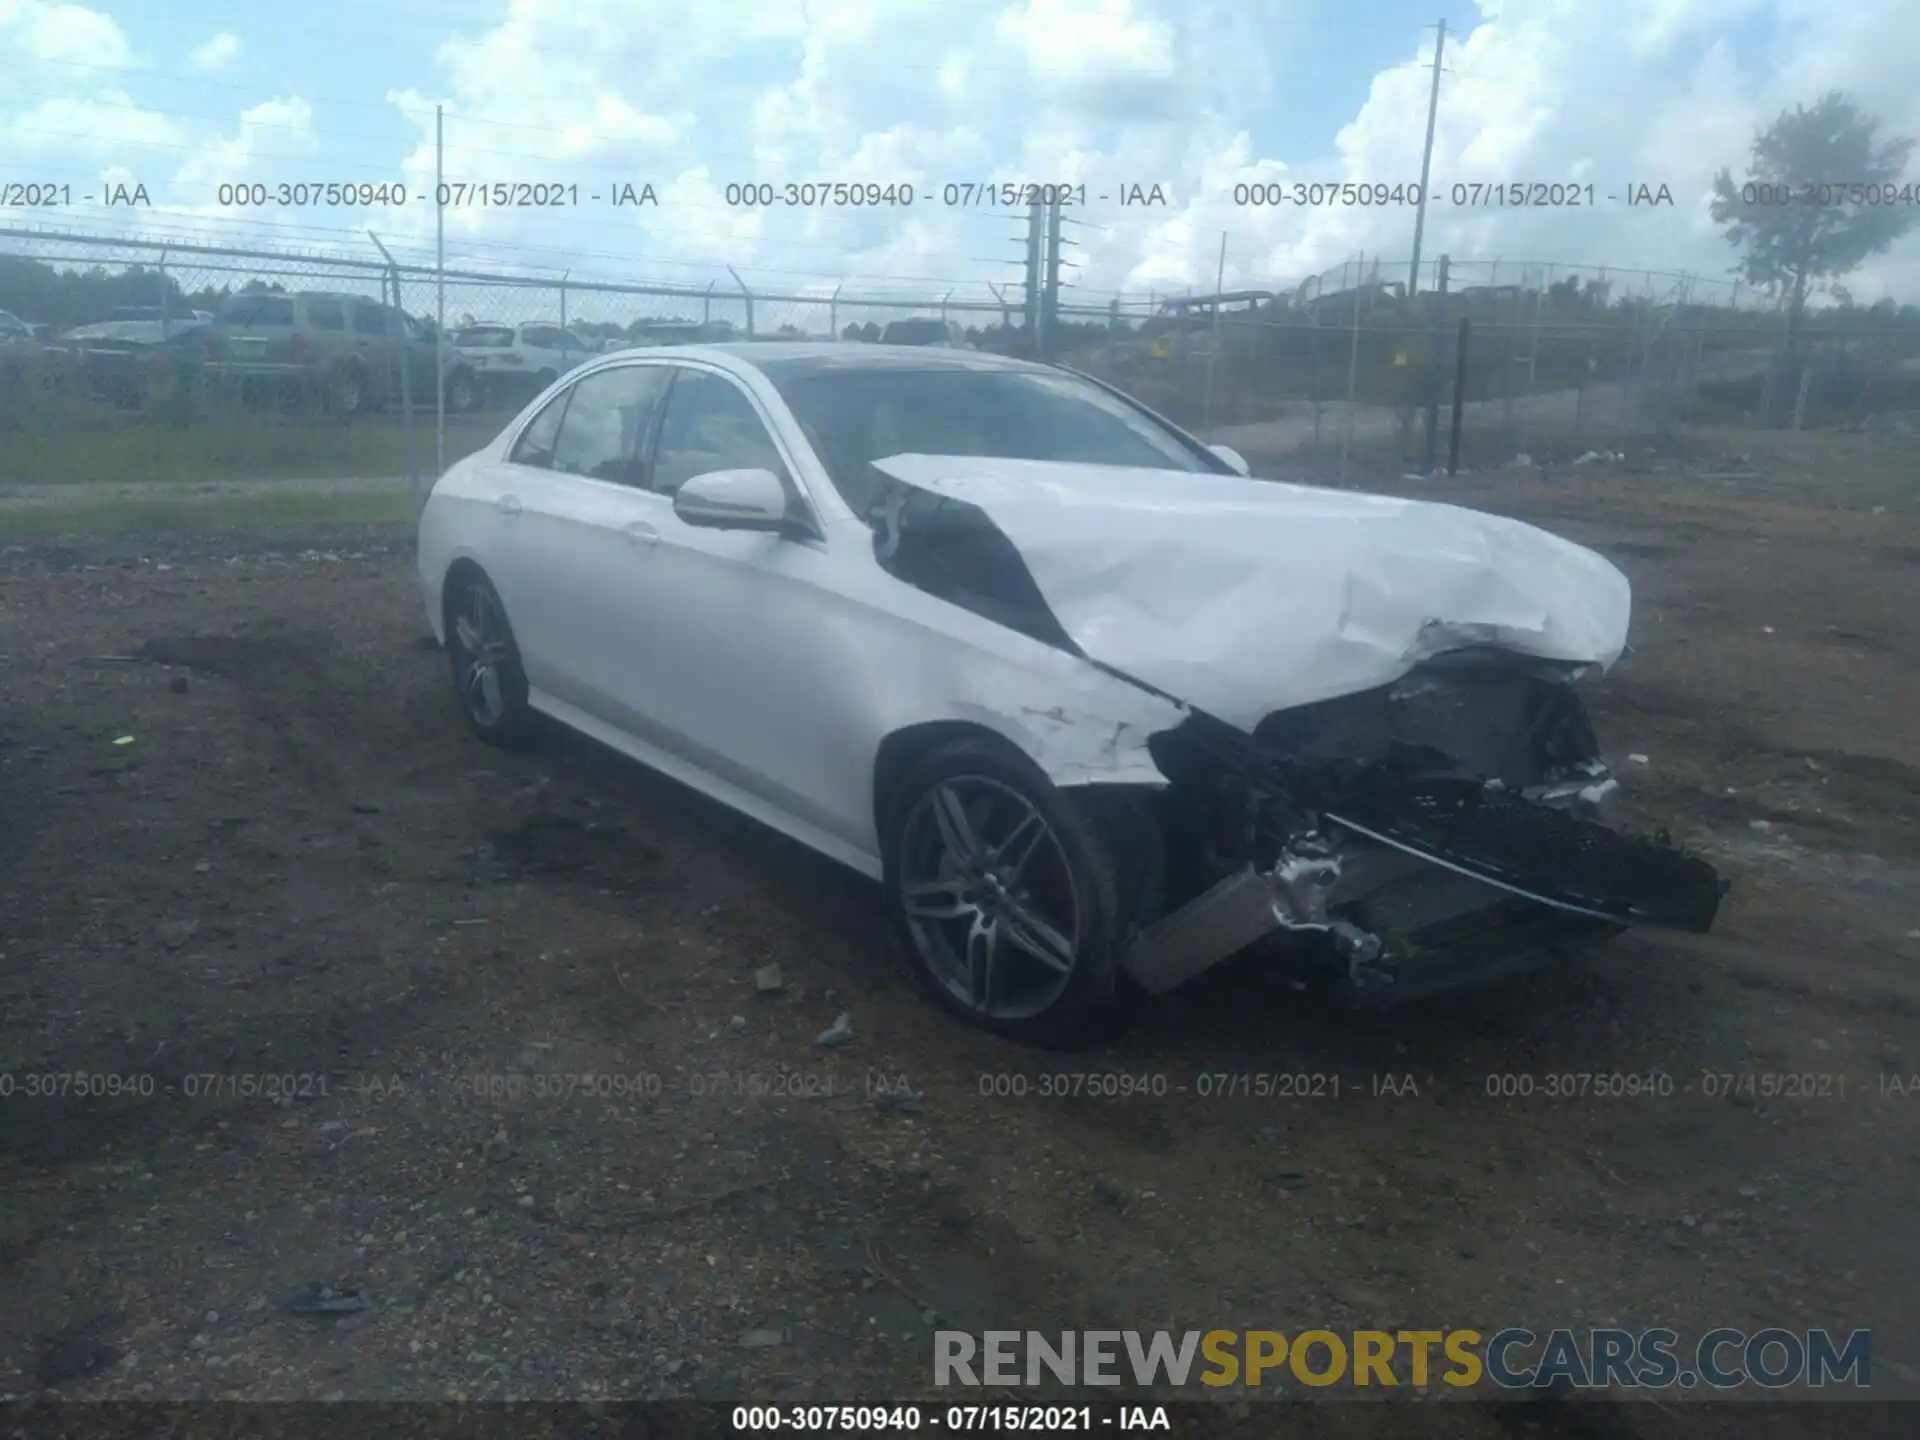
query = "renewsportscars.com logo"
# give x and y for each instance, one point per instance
(1510, 1359)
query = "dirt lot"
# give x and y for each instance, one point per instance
(301, 866)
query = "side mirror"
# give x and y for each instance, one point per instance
(733, 500)
(1233, 457)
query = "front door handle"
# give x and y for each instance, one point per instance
(641, 533)
(508, 504)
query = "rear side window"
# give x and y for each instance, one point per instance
(370, 320)
(536, 442)
(326, 315)
(260, 310)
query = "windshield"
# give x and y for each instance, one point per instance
(496, 337)
(853, 417)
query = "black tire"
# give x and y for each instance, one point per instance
(510, 722)
(1084, 1009)
(463, 392)
(350, 390)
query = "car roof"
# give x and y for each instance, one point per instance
(821, 357)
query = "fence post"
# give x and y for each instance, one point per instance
(749, 298)
(397, 322)
(1511, 364)
(1580, 397)
(1459, 399)
(563, 297)
(1213, 344)
(1353, 376)
(1533, 356)
(1693, 367)
(1313, 370)
(1437, 362)
(1800, 399)
(833, 313)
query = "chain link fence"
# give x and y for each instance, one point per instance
(125, 380)
(1539, 361)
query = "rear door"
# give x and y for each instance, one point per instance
(258, 330)
(374, 344)
(573, 521)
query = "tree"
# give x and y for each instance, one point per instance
(1810, 209)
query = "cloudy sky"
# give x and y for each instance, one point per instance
(1195, 96)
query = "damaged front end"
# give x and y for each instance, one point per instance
(1439, 823)
(1437, 832)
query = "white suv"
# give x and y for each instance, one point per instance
(511, 361)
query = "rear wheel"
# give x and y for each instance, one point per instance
(350, 390)
(487, 674)
(1002, 892)
(463, 392)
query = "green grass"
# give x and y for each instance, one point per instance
(259, 514)
(227, 447)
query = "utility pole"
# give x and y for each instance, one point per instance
(1036, 263)
(1050, 294)
(1426, 161)
(439, 291)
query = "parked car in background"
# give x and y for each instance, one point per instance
(114, 359)
(1098, 710)
(919, 331)
(680, 332)
(15, 333)
(514, 361)
(352, 353)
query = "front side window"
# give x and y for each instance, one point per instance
(326, 315)
(606, 425)
(369, 320)
(710, 425)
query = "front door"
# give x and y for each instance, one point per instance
(574, 525)
(743, 664)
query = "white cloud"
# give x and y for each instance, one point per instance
(88, 128)
(272, 132)
(1192, 95)
(216, 53)
(64, 34)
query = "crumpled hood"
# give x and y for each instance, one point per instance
(1243, 597)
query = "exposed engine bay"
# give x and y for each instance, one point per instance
(1436, 827)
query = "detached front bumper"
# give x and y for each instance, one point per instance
(1446, 886)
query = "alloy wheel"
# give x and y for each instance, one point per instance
(481, 631)
(989, 897)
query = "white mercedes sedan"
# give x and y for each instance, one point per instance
(1098, 710)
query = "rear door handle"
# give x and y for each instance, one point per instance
(508, 504)
(641, 533)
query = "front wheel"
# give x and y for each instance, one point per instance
(487, 674)
(463, 392)
(1002, 892)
